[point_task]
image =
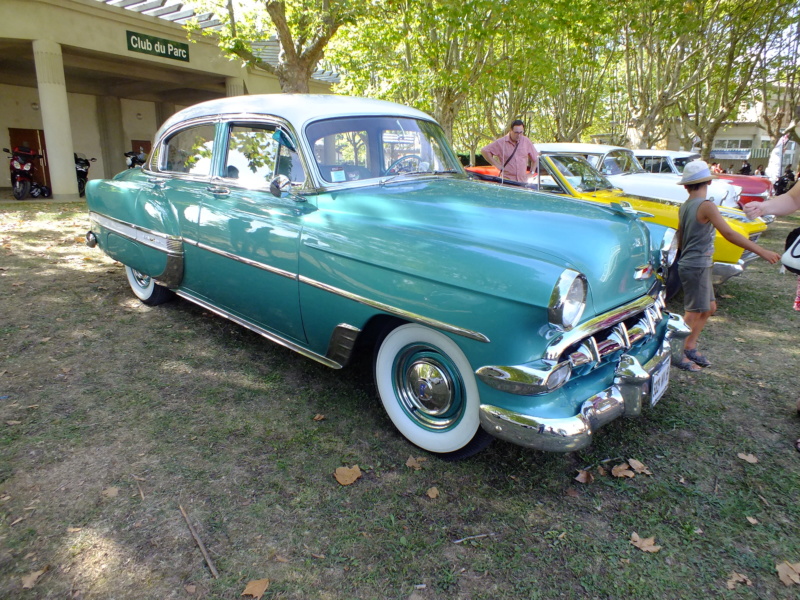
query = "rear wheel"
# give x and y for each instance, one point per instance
(146, 289)
(428, 390)
(21, 189)
(81, 187)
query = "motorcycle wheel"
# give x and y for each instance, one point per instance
(81, 187)
(46, 193)
(21, 189)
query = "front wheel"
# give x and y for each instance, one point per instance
(428, 390)
(81, 187)
(146, 289)
(21, 189)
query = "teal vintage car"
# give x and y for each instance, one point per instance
(329, 223)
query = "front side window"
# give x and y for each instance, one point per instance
(256, 156)
(358, 148)
(189, 151)
(619, 162)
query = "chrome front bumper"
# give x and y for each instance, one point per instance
(721, 272)
(625, 397)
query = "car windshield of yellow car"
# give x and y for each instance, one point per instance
(580, 174)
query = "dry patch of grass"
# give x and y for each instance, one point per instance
(112, 414)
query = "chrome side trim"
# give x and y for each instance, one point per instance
(171, 245)
(148, 237)
(273, 337)
(241, 259)
(468, 333)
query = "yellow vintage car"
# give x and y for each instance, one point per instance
(571, 175)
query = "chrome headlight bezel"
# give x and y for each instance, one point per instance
(567, 300)
(669, 248)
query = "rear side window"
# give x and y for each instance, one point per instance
(189, 151)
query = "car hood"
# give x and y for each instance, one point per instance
(665, 185)
(498, 240)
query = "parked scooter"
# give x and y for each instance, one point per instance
(82, 170)
(22, 169)
(135, 159)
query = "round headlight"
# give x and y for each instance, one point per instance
(669, 248)
(568, 300)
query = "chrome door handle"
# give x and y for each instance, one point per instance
(218, 190)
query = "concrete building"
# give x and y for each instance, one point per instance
(98, 77)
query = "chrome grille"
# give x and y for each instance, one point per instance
(592, 351)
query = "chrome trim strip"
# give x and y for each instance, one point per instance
(468, 333)
(241, 259)
(598, 323)
(273, 337)
(148, 237)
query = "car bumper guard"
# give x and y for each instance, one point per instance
(630, 389)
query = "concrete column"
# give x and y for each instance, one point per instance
(164, 110)
(55, 118)
(234, 86)
(109, 119)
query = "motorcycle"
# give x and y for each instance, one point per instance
(82, 170)
(134, 159)
(22, 169)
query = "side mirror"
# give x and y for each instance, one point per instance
(279, 186)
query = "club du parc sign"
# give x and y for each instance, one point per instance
(147, 44)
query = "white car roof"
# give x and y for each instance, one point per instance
(671, 153)
(578, 148)
(297, 109)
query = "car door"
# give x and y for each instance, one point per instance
(249, 238)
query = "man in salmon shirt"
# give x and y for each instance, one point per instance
(512, 153)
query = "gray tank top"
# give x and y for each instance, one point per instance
(697, 239)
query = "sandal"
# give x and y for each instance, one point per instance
(687, 365)
(696, 358)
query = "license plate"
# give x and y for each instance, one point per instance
(659, 382)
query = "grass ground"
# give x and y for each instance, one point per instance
(112, 414)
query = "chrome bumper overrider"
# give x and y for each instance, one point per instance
(721, 272)
(629, 391)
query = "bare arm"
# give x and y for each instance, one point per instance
(776, 205)
(491, 159)
(708, 211)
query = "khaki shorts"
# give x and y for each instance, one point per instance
(698, 292)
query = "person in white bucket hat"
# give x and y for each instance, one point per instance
(699, 220)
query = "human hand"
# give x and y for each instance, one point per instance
(753, 209)
(771, 257)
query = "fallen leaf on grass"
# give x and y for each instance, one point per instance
(584, 477)
(111, 492)
(415, 463)
(281, 559)
(347, 475)
(432, 493)
(789, 573)
(318, 555)
(319, 417)
(190, 588)
(740, 340)
(748, 458)
(752, 520)
(646, 544)
(602, 471)
(256, 588)
(13, 422)
(573, 493)
(73, 529)
(30, 580)
(623, 470)
(44, 340)
(19, 520)
(737, 579)
(640, 468)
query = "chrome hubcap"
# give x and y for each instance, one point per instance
(428, 387)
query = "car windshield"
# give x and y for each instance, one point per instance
(359, 148)
(580, 174)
